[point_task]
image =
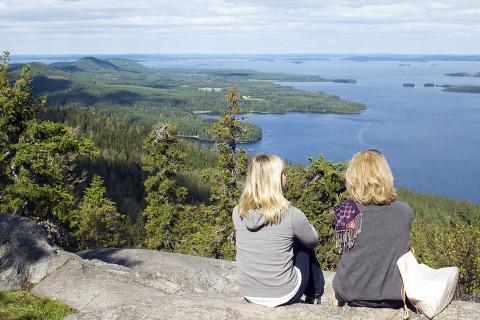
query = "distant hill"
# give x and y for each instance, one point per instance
(46, 78)
(92, 65)
(98, 66)
(37, 68)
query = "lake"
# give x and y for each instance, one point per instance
(429, 137)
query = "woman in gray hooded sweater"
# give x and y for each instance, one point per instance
(276, 263)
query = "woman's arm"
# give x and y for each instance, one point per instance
(303, 230)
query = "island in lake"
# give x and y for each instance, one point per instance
(463, 74)
(453, 88)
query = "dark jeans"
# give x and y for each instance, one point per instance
(312, 276)
(392, 304)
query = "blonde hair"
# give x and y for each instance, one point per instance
(263, 189)
(369, 178)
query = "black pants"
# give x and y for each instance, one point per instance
(313, 283)
(392, 304)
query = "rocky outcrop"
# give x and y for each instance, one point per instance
(26, 255)
(146, 284)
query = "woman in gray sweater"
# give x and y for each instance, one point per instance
(372, 232)
(276, 263)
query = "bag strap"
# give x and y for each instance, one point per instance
(404, 298)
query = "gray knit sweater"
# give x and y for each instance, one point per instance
(265, 252)
(369, 270)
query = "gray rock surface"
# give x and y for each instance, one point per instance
(26, 255)
(146, 284)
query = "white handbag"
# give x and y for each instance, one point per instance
(430, 290)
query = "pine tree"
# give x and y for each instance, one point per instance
(97, 222)
(316, 190)
(18, 108)
(226, 189)
(36, 160)
(165, 198)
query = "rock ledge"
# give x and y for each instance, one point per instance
(146, 284)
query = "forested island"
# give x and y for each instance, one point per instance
(453, 88)
(462, 88)
(448, 87)
(429, 58)
(99, 162)
(463, 74)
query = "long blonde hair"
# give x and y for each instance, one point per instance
(263, 189)
(369, 179)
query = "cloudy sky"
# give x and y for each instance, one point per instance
(240, 26)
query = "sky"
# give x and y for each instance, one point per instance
(41, 27)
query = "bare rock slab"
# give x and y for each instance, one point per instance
(171, 272)
(146, 284)
(26, 254)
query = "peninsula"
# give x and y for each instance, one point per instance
(135, 93)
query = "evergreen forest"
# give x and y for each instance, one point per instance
(109, 153)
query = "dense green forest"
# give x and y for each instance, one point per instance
(134, 93)
(96, 180)
(118, 162)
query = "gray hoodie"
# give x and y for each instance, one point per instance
(265, 252)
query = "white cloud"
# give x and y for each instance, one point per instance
(438, 5)
(175, 25)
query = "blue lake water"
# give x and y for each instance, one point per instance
(429, 137)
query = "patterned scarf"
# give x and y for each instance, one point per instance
(348, 224)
